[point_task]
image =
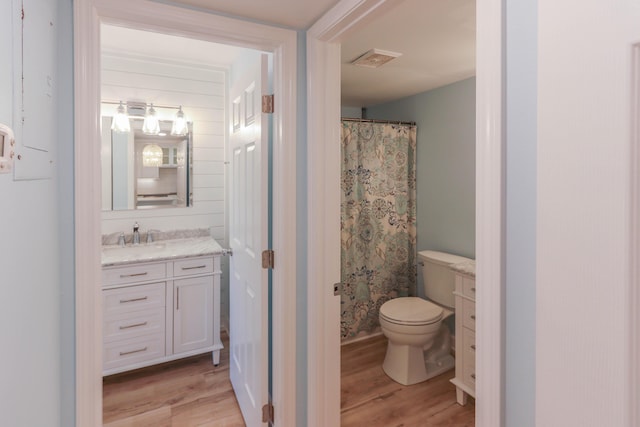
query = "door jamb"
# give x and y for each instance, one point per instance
(323, 116)
(154, 16)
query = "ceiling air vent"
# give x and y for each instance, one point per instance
(375, 58)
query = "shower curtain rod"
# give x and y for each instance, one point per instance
(351, 119)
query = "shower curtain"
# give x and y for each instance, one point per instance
(378, 220)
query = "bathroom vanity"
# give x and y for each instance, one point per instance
(161, 302)
(465, 306)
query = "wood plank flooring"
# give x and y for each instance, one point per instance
(370, 398)
(185, 393)
(192, 392)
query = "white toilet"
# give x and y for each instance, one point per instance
(419, 344)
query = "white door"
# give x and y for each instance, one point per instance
(588, 80)
(248, 238)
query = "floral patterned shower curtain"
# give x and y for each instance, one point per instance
(378, 220)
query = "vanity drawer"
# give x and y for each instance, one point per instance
(469, 288)
(134, 324)
(189, 266)
(133, 273)
(469, 374)
(132, 298)
(469, 314)
(468, 344)
(133, 350)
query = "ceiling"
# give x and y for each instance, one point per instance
(435, 37)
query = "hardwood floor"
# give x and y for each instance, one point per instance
(192, 392)
(370, 398)
(185, 393)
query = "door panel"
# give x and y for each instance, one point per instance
(248, 236)
(586, 83)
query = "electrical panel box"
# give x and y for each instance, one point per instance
(34, 91)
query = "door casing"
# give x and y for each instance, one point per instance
(323, 160)
(158, 17)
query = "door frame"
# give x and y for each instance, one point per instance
(323, 160)
(154, 16)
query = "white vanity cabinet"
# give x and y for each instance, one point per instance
(155, 312)
(465, 301)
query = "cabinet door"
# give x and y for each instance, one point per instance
(192, 314)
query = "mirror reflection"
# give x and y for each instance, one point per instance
(141, 171)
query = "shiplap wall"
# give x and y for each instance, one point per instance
(202, 92)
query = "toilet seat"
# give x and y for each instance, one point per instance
(411, 311)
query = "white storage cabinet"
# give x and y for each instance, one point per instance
(465, 301)
(155, 312)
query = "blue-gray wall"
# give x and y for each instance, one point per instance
(520, 210)
(445, 163)
(66, 246)
(36, 249)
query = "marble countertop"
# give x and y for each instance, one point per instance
(466, 267)
(160, 250)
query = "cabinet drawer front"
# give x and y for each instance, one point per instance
(133, 298)
(134, 324)
(469, 288)
(469, 314)
(188, 267)
(469, 345)
(469, 374)
(134, 350)
(133, 273)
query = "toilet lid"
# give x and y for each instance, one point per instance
(411, 311)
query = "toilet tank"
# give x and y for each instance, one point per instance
(438, 280)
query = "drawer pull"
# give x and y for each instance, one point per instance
(473, 346)
(473, 376)
(473, 289)
(140, 350)
(124, 301)
(133, 326)
(122, 276)
(194, 268)
(473, 317)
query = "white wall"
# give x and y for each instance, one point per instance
(584, 136)
(202, 93)
(30, 385)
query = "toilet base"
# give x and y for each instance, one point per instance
(414, 368)
(413, 364)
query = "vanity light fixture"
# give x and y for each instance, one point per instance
(120, 122)
(151, 125)
(179, 127)
(151, 155)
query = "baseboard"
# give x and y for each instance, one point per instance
(361, 338)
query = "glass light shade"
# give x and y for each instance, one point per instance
(120, 122)
(151, 125)
(179, 127)
(151, 155)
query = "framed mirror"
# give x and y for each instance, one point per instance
(131, 182)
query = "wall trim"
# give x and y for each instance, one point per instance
(323, 71)
(490, 220)
(154, 16)
(634, 251)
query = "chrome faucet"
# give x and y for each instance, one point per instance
(136, 234)
(150, 236)
(121, 241)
